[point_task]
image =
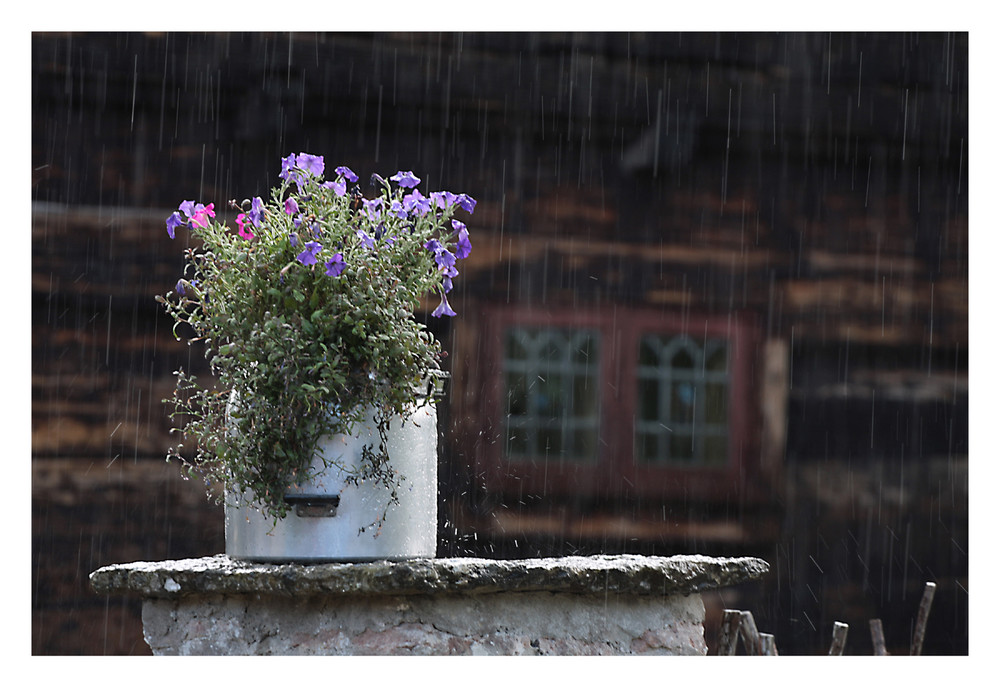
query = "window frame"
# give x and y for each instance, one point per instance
(616, 474)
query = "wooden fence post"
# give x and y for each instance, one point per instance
(729, 632)
(878, 639)
(839, 639)
(751, 638)
(925, 608)
(736, 624)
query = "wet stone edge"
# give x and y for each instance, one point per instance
(621, 574)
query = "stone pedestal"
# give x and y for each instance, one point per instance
(556, 606)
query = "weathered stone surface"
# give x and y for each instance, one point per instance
(624, 574)
(567, 606)
(529, 623)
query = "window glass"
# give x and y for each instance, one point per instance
(551, 393)
(682, 401)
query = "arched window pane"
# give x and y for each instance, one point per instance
(682, 360)
(552, 391)
(682, 400)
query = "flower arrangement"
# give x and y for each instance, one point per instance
(306, 312)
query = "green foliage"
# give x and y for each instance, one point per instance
(306, 317)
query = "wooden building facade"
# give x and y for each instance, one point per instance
(716, 303)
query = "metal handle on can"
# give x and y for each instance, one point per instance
(306, 506)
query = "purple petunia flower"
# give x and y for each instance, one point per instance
(397, 209)
(347, 173)
(443, 199)
(297, 167)
(372, 208)
(308, 256)
(405, 179)
(444, 259)
(175, 220)
(464, 246)
(291, 207)
(444, 308)
(256, 213)
(335, 265)
(449, 274)
(467, 203)
(287, 164)
(313, 164)
(338, 186)
(442, 256)
(366, 240)
(416, 203)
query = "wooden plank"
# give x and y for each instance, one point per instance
(641, 526)
(751, 637)
(93, 253)
(878, 638)
(730, 632)
(923, 612)
(839, 639)
(774, 389)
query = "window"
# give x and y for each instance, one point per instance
(682, 401)
(618, 402)
(551, 393)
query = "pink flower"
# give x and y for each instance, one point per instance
(196, 213)
(201, 214)
(245, 231)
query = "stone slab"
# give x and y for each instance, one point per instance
(621, 574)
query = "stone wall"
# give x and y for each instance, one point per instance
(596, 605)
(530, 623)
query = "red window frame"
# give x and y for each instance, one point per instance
(616, 474)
